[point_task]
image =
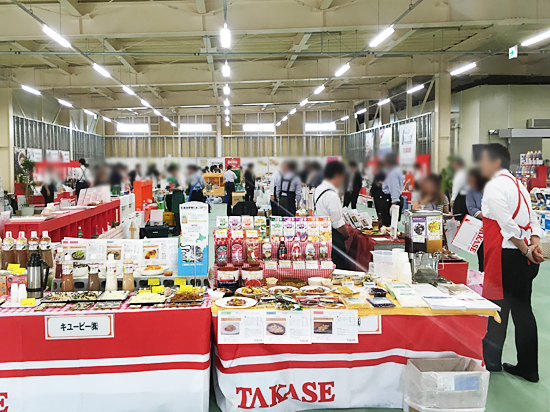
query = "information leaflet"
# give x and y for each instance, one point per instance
(334, 325)
(287, 327)
(241, 326)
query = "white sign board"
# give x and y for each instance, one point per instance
(385, 141)
(79, 327)
(407, 144)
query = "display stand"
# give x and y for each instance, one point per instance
(193, 256)
(215, 179)
(143, 190)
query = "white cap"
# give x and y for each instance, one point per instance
(93, 256)
(67, 257)
(45, 233)
(8, 234)
(34, 234)
(21, 234)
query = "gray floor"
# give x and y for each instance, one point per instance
(506, 393)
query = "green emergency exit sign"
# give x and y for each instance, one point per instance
(513, 52)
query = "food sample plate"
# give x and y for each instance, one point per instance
(84, 296)
(147, 299)
(276, 328)
(151, 270)
(315, 290)
(58, 297)
(283, 289)
(186, 297)
(236, 303)
(114, 295)
(252, 292)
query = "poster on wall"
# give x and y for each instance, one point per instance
(20, 155)
(64, 156)
(369, 145)
(407, 143)
(52, 155)
(233, 161)
(385, 141)
(34, 155)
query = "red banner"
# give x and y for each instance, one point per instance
(233, 161)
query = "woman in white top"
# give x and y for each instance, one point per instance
(430, 196)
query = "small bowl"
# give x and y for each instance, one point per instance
(315, 281)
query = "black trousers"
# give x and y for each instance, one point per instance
(229, 189)
(517, 283)
(385, 206)
(80, 186)
(459, 207)
(249, 196)
(196, 197)
(339, 254)
(480, 258)
(351, 198)
(48, 199)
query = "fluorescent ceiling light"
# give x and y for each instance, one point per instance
(415, 89)
(195, 127)
(319, 89)
(278, 124)
(343, 119)
(166, 119)
(383, 102)
(292, 111)
(157, 112)
(284, 119)
(226, 70)
(320, 127)
(132, 128)
(342, 70)
(361, 111)
(226, 90)
(64, 103)
(258, 127)
(226, 112)
(89, 112)
(381, 37)
(101, 70)
(128, 90)
(173, 124)
(227, 118)
(225, 37)
(226, 124)
(145, 103)
(304, 102)
(536, 39)
(226, 102)
(31, 90)
(463, 69)
(55, 36)
(107, 119)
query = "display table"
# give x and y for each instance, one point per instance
(124, 360)
(66, 225)
(367, 374)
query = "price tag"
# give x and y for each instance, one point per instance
(312, 264)
(180, 281)
(326, 264)
(28, 301)
(186, 288)
(158, 289)
(300, 264)
(270, 265)
(13, 266)
(144, 291)
(285, 264)
(348, 283)
(153, 282)
(19, 271)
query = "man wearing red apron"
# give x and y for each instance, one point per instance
(511, 235)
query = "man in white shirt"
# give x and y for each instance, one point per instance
(229, 178)
(512, 256)
(326, 202)
(83, 177)
(460, 188)
(276, 181)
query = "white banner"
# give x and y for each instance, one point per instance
(65, 156)
(369, 145)
(407, 144)
(52, 155)
(470, 235)
(385, 141)
(34, 155)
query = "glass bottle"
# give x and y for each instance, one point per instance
(93, 273)
(21, 250)
(8, 250)
(323, 251)
(282, 252)
(46, 249)
(79, 233)
(111, 282)
(59, 263)
(310, 250)
(67, 284)
(128, 276)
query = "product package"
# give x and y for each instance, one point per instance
(355, 302)
(325, 228)
(247, 222)
(289, 229)
(252, 247)
(235, 222)
(313, 228)
(276, 228)
(221, 252)
(237, 247)
(260, 223)
(222, 222)
(301, 228)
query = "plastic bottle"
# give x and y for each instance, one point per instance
(21, 250)
(296, 249)
(34, 242)
(128, 276)
(266, 250)
(310, 250)
(67, 284)
(111, 282)
(79, 233)
(59, 263)
(46, 249)
(323, 251)
(8, 250)
(93, 273)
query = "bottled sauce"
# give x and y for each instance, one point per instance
(8, 250)
(59, 263)
(323, 251)
(67, 284)
(252, 251)
(21, 250)
(128, 276)
(310, 249)
(296, 249)
(237, 248)
(46, 249)
(111, 282)
(34, 242)
(266, 250)
(282, 252)
(80, 233)
(93, 273)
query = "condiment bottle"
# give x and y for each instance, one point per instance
(80, 233)
(34, 242)
(46, 249)
(67, 284)
(21, 250)
(111, 282)
(59, 263)
(310, 250)
(128, 276)
(266, 250)
(282, 252)
(296, 249)
(93, 273)
(8, 250)
(323, 251)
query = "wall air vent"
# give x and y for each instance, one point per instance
(538, 123)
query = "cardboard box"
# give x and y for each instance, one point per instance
(15, 279)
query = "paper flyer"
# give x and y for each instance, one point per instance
(241, 326)
(334, 325)
(288, 327)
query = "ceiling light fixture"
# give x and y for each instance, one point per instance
(132, 128)
(292, 111)
(382, 36)
(101, 70)
(226, 89)
(342, 70)
(226, 112)
(304, 102)
(343, 119)
(535, 39)
(383, 102)
(227, 118)
(31, 90)
(88, 112)
(226, 124)
(173, 124)
(415, 89)
(258, 127)
(64, 103)
(145, 103)
(225, 37)
(320, 127)
(361, 111)
(319, 89)
(284, 119)
(463, 69)
(226, 70)
(128, 90)
(107, 119)
(55, 36)
(195, 127)
(166, 119)
(226, 102)
(278, 124)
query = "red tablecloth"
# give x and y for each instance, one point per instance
(368, 374)
(360, 246)
(154, 359)
(66, 225)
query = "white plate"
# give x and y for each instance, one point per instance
(143, 272)
(222, 303)
(309, 290)
(251, 295)
(288, 289)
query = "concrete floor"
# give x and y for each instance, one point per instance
(506, 392)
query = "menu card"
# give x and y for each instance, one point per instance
(287, 327)
(241, 326)
(334, 325)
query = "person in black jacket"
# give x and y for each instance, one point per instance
(354, 182)
(249, 183)
(376, 189)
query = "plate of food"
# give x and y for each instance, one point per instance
(118, 295)
(151, 270)
(86, 296)
(283, 289)
(78, 255)
(151, 254)
(322, 327)
(147, 299)
(236, 303)
(346, 290)
(251, 292)
(186, 297)
(276, 328)
(315, 290)
(58, 297)
(230, 329)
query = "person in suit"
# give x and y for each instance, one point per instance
(135, 175)
(354, 182)
(249, 183)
